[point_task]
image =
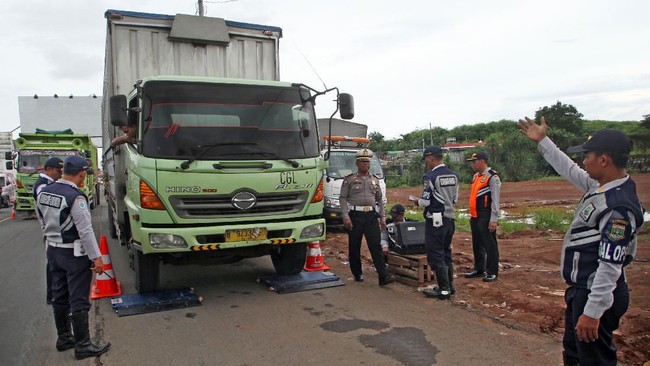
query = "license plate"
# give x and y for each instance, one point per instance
(258, 233)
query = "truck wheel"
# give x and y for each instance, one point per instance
(289, 259)
(146, 271)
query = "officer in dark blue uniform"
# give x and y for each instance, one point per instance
(73, 255)
(600, 242)
(439, 195)
(53, 171)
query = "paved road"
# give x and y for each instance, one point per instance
(242, 323)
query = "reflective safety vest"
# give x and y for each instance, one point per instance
(480, 196)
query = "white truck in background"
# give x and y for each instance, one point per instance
(7, 176)
(347, 139)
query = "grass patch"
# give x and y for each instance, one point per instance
(511, 227)
(552, 219)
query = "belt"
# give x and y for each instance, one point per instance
(362, 208)
(60, 245)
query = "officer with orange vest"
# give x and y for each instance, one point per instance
(484, 212)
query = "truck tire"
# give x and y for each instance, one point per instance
(289, 259)
(146, 271)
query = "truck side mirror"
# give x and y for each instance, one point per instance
(87, 154)
(346, 105)
(117, 105)
(8, 155)
(9, 165)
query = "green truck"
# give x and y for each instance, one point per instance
(226, 162)
(34, 149)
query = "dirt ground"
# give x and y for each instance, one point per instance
(529, 292)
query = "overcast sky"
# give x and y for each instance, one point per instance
(407, 63)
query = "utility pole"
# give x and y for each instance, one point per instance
(430, 134)
(201, 10)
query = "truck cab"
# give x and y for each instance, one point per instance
(342, 162)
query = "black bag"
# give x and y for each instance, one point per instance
(408, 238)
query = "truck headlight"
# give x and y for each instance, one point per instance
(312, 231)
(332, 203)
(166, 241)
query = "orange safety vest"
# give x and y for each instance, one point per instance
(480, 196)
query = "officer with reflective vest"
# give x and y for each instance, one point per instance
(600, 242)
(363, 213)
(484, 213)
(53, 171)
(73, 255)
(438, 197)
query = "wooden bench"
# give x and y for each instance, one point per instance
(411, 269)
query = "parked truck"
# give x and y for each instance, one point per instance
(226, 162)
(34, 149)
(7, 173)
(345, 141)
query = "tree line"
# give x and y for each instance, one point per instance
(515, 157)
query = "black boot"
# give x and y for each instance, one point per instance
(83, 347)
(441, 292)
(65, 340)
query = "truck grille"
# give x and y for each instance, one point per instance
(210, 206)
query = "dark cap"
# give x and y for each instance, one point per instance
(481, 155)
(364, 155)
(397, 210)
(54, 163)
(431, 150)
(74, 164)
(607, 140)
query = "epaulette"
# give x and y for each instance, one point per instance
(376, 176)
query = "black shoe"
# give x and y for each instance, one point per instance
(386, 280)
(437, 293)
(490, 278)
(358, 278)
(474, 274)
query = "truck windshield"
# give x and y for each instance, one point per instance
(240, 121)
(33, 161)
(343, 163)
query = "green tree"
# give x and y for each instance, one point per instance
(562, 116)
(645, 122)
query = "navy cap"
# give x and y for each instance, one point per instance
(607, 140)
(74, 164)
(481, 155)
(397, 210)
(54, 163)
(431, 150)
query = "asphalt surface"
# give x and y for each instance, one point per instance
(242, 322)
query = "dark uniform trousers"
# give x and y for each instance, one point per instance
(438, 242)
(484, 245)
(602, 351)
(71, 278)
(365, 223)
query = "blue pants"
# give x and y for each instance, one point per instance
(438, 242)
(365, 224)
(602, 351)
(71, 278)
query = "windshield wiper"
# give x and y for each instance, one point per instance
(293, 163)
(186, 163)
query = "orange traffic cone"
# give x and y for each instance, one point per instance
(105, 283)
(315, 258)
(13, 211)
